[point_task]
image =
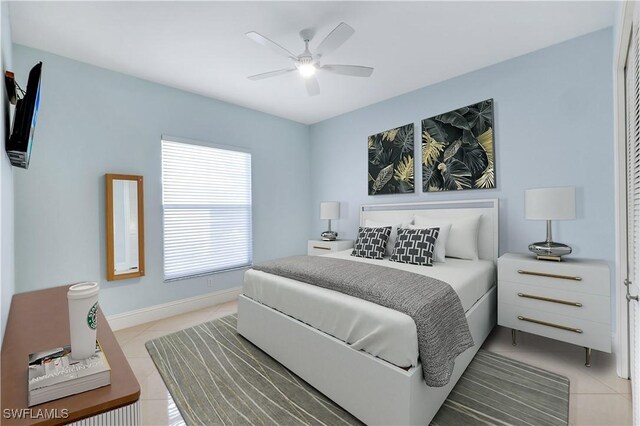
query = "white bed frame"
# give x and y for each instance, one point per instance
(373, 390)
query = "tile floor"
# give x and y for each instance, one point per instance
(158, 408)
(598, 396)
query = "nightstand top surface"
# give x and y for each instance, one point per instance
(566, 260)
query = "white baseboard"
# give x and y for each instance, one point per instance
(165, 310)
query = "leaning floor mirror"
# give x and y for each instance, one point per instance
(125, 227)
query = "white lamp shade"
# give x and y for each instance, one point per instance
(330, 210)
(550, 203)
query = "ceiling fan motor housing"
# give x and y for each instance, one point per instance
(304, 60)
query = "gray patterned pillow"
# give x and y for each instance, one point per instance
(415, 246)
(371, 242)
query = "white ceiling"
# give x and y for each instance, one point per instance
(201, 47)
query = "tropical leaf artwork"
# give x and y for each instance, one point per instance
(391, 164)
(457, 149)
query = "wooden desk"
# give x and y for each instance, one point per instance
(39, 320)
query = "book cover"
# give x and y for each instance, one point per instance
(52, 370)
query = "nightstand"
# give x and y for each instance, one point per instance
(567, 301)
(318, 247)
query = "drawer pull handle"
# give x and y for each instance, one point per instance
(322, 248)
(548, 299)
(543, 274)
(550, 324)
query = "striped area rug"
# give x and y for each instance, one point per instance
(495, 390)
(217, 377)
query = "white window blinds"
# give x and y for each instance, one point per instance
(206, 201)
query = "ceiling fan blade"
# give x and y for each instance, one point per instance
(335, 39)
(313, 88)
(352, 70)
(259, 38)
(270, 74)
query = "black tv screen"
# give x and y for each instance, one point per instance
(24, 122)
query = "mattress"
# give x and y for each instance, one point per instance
(377, 330)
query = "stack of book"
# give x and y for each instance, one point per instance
(53, 374)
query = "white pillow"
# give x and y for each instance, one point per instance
(439, 252)
(462, 241)
(391, 242)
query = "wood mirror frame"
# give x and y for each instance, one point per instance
(139, 270)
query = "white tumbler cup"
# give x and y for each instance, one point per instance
(83, 306)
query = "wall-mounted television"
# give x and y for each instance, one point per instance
(24, 121)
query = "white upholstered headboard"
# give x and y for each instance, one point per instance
(404, 212)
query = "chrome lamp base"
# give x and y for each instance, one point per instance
(329, 236)
(549, 250)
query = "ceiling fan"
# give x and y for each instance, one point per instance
(308, 63)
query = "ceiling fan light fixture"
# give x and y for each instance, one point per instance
(308, 63)
(307, 70)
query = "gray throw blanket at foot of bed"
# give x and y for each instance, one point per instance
(443, 332)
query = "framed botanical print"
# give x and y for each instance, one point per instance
(391, 167)
(458, 149)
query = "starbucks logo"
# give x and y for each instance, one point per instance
(92, 320)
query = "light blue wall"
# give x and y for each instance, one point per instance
(93, 121)
(7, 281)
(553, 127)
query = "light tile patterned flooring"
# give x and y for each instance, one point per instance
(598, 396)
(158, 408)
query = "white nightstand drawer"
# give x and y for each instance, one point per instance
(320, 247)
(560, 327)
(585, 306)
(574, 276)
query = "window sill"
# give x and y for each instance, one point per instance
(204, 274)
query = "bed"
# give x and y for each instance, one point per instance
(362, 355)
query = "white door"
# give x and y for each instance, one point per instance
(632, 96)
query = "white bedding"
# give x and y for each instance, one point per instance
(380, 331)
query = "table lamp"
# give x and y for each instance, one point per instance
(329, 210)
(550, 204)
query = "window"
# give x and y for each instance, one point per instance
(206, 202)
